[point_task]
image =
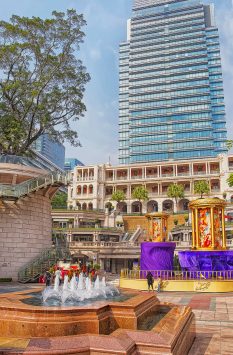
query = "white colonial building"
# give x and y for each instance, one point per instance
(92, 186)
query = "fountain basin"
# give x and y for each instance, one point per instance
(104, 327)
(101, 317)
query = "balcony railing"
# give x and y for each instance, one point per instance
(85, 178)
(109, 178)
(199, 172)
(168, 175)
(154, 176)
(103, 244)
(122, 178)
(184, 173)
(216, 171)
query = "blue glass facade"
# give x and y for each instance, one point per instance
(71, 163)
(171, 99)
(53, 151)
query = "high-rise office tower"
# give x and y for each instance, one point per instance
(50, 150)
(171, 88)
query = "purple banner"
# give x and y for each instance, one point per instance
(206, 260)
(157, 256)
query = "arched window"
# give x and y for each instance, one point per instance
(90, 206)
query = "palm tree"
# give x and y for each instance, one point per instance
(140, 193)
(201, 187)
(175, 191)
(118, 196)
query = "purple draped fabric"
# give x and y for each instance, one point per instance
(157, 256)
(206, 260)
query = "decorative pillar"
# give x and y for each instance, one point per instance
(212, 227)
(194, 239)
(197, 228)
(223, 230)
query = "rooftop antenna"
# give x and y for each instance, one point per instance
(109, 160)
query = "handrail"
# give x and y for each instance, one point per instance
(103, 244)
(34, 184)
(167, 275)
(39, 264)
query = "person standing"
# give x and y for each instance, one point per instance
(150, 281)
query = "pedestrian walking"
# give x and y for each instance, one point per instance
(150, 281)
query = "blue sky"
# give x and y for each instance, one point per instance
(106, 28)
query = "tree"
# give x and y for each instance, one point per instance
(42, 81)
(140, 193)
(118, 196)
(109, 206)
(175, 191)
(59, 200)
(229, 144)
(230, 180)
(201, 187)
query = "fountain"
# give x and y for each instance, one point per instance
(73, 292)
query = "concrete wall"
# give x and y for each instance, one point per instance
(25, 230)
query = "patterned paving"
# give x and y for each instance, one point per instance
(214, 321)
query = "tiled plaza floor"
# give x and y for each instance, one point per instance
(214, 320)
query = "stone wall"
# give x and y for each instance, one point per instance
(25, 231)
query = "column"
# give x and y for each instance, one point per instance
(212, 227)
(223, 230)
(197, 229)
(194, 239)
(101, 264)
(113, 266)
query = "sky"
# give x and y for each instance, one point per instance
(105, 29)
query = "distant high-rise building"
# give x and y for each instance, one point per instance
(171, 99)
(53, 151)
(71, 163)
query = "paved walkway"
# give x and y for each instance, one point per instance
(214, 320)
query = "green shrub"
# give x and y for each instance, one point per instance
(96, 266)
(5, 279)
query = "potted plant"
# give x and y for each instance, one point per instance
(224, 195)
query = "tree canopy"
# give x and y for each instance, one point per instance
(201, 187)
(118, 196)
(59, 200)
(229, 144)
(42, 80)
(175, 191)
(230, 180)
(140, 193)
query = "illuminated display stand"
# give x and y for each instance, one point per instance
(158, 253)
(209, 252)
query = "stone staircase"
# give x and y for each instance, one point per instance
(36, 267)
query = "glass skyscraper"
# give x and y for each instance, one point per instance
(171, 99)
(51, 150)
